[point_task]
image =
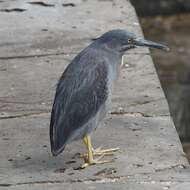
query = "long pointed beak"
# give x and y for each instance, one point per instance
(147, 43)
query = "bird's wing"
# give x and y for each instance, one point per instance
(79, 96)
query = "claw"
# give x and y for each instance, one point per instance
(96, 161)
(88, 158)
(99, 151)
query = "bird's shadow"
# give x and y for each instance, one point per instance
(44, 161)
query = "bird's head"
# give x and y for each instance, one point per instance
(122, 40)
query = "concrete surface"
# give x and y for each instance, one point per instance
(36, 45)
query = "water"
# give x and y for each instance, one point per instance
(173, 68)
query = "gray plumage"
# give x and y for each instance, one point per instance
(84, 90)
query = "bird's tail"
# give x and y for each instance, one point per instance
(57, 145)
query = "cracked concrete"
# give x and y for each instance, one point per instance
(24, 115)
(33, 55)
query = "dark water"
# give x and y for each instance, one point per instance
(173, 68)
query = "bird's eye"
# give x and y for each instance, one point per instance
(130, 41)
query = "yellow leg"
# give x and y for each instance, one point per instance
(98, 151)
(89, 158)
(85, 140)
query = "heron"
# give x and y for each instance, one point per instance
(84, 91)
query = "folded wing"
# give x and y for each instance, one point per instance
(79, 95)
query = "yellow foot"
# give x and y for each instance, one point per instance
(95, 161)
(89, 157)
(99, 151)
